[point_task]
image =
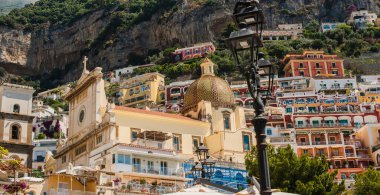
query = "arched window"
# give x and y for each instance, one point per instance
(16, 108)
(15, 134)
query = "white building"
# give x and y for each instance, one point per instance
(326, 26)
(125, 73)
(46, 119)
(41, 147)
(55, 93)
(16, 121)
(333, 83)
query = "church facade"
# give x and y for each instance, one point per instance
(136, 144)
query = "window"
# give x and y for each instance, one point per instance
(299, 123)
(15, 132)
(135, 134)
(301, 65)
(305, 151)
(246, 142)
(16, 108)
(177, 142)
(335, 72)
(269, 131)
(113, 158)
(123, 159)
(150, 165)
(320, 152)
(196, 141)
(136, 164)
(80, 150)
(226, 120)
(63, 159)
(164, 167)
(332, 140)
(317, 65)
(302, 73)
(99, 139)
(175, 91)
(288, 110)
(318, 72)
(333, 65)
(315, 123)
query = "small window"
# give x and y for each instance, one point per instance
(226, 120)
(16, 108)
(99, 139)
(177, 142)
(15, 132)
(63, 159)
(196, 142)
(80, 150)
(269, 131)
(301, 65)
(246, 142)
(333, 65)
(318, 72)
(302, 73)
(335, 72)
(317, 65)
(305, 151)
(135, 134)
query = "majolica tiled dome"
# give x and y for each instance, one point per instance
(208, 88)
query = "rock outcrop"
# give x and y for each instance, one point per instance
(49, 48)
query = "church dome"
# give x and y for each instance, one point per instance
(209, 88)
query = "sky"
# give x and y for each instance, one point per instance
(7, 5)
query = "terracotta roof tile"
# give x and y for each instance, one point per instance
(163, 114)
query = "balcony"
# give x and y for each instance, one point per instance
(350, 155)
(281, 140)
(156, 170)
(323, 125)
(303, 143)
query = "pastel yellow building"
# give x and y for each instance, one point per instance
(369, 135)
(134, 144)
(143, 90)
(369, 97)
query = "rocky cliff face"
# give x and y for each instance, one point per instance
(62, 48)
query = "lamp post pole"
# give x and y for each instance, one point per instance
(245, 44)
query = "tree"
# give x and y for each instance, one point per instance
(11, 166)
(290, 173)
(368, 182)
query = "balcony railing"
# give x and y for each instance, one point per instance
(350, 155)
(335, 142)
(349, 143)
(281, 139)
(323, 125)
(319, 143)
(138, 168)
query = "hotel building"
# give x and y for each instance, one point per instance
(312, 63)
(146, 90)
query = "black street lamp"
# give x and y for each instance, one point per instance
(205, 167)
(245, 44)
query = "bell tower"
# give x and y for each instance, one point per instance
(207, 67)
